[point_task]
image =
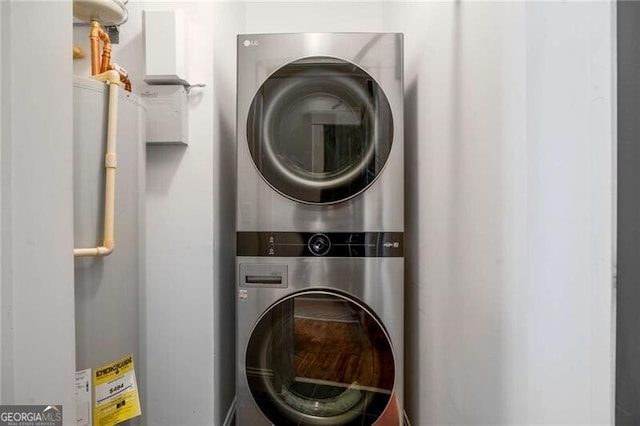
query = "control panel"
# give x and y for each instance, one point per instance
(329, 244)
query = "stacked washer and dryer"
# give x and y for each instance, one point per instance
(320, 222)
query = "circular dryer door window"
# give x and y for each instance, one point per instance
(320, 358)
(320, 130)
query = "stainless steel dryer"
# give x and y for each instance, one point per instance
(320, 267)
(320, 132)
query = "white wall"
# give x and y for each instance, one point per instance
(179, 313)
(510, 284)
(38, 356)
(466, 222)
(510, 132)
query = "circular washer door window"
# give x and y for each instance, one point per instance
(320, 130)
(320, 358)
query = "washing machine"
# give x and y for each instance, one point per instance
(320, 222)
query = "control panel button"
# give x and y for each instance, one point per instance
(319, 244)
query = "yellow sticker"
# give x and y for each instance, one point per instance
(116, 393)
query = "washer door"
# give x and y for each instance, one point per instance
(320, 130)
(320, 358)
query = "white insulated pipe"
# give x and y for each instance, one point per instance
(113, 79)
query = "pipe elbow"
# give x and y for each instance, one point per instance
(105, 251)
(109, 244)
(110, 77)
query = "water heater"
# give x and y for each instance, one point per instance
(107, 288)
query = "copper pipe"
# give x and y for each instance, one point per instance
(106, 54)
(94, 38)
(103, 64)
(106, 50)
(95, 35)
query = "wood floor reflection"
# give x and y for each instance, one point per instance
(343, 351)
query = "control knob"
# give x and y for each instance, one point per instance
(319, 244)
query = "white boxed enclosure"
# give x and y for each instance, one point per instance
(167, 113)
(164, 47)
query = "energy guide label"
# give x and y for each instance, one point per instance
(116, 396)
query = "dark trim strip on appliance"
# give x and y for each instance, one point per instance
(320, 244)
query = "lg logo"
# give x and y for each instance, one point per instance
(249, 43)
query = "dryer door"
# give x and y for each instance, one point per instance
(320, 130)
(321, 358)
